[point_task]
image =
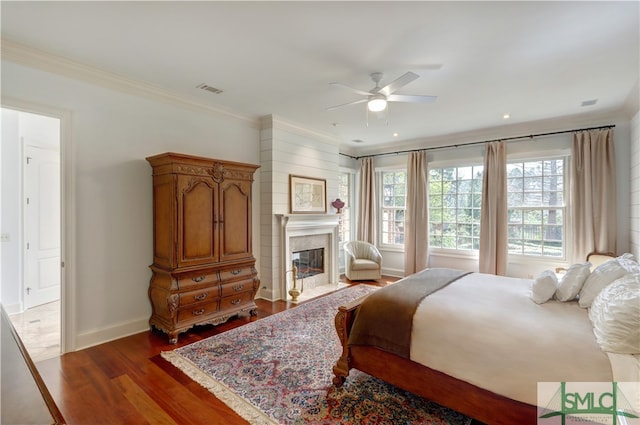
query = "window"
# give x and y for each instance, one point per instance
(394, 189)
(344, 224)
(344, 193)
(455, 198)
(536, 207)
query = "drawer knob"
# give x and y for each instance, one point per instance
(198, 312)
(236, 272)
(239, 287)
(200, 297)
(198, 279)
(236, 302)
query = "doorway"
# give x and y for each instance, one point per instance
(31, 219)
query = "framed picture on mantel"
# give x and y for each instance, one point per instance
(307, 195)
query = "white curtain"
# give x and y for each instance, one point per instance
(593, 193)
(493, 218)
(366, 230)
(416, 230)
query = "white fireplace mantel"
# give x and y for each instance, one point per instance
(295, 225)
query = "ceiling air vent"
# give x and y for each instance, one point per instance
(209, 88)
(589, 102)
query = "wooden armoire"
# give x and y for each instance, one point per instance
(203, 266)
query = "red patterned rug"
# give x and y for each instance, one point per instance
(278, 370)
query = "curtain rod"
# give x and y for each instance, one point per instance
(504, 139)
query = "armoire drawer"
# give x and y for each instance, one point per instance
(190, 281)
(197, 312)
(236, 300)
(236, 274)
(234, 288)
(201, 295)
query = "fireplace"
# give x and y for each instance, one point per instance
(316, 233)
(309, 262)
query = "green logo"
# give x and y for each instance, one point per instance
(584, 399)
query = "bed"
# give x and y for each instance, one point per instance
(477, 344)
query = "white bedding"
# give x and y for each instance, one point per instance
(485, 330)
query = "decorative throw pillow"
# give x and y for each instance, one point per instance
(599, 278)
(628, 256)
(615, 314)
(544, 287)
(572, 281)
(629, 263)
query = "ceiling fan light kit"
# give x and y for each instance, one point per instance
(377, 102)
(377, 97)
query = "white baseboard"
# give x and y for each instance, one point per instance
(12, 308)
(392, 272)
(266, 294)
(100, 336)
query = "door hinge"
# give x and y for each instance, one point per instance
(27, 245)
(28, 290)
(28, 159)
(27, 201)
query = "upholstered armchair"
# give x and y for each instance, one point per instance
(362, 261)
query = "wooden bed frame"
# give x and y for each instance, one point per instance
(468, 399)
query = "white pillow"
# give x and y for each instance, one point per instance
(629, 263)
(572, 281)
(599, 278)
(628, 256)
(615, 314)
(544, 287)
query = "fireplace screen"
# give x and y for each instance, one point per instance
(309, 262)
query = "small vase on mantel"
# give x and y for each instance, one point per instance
(338, 204)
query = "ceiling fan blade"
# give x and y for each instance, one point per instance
(362, 92)
(398, 83)
(331, 108)
(411, 98)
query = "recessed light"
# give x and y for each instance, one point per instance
(395, 134)
(506, 116)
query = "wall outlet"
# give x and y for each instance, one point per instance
(4, 237)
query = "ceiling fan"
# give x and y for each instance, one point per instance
(378, 97)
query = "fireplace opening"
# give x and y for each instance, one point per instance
(309, 262)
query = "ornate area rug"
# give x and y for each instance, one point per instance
(278, 370)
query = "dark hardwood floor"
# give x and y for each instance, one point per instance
(127, 382)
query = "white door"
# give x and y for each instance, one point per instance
(42, 226)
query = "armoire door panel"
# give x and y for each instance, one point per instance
(163, 213)
(236, 224)
(197, 220)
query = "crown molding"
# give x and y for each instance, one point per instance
(39, 59)
(277, 122)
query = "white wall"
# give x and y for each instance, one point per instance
(634, 188)
(287, 149)
(11, 210)
(111, 133)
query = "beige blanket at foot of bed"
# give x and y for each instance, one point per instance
(485, 330)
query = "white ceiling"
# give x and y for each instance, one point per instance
(533, 60)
